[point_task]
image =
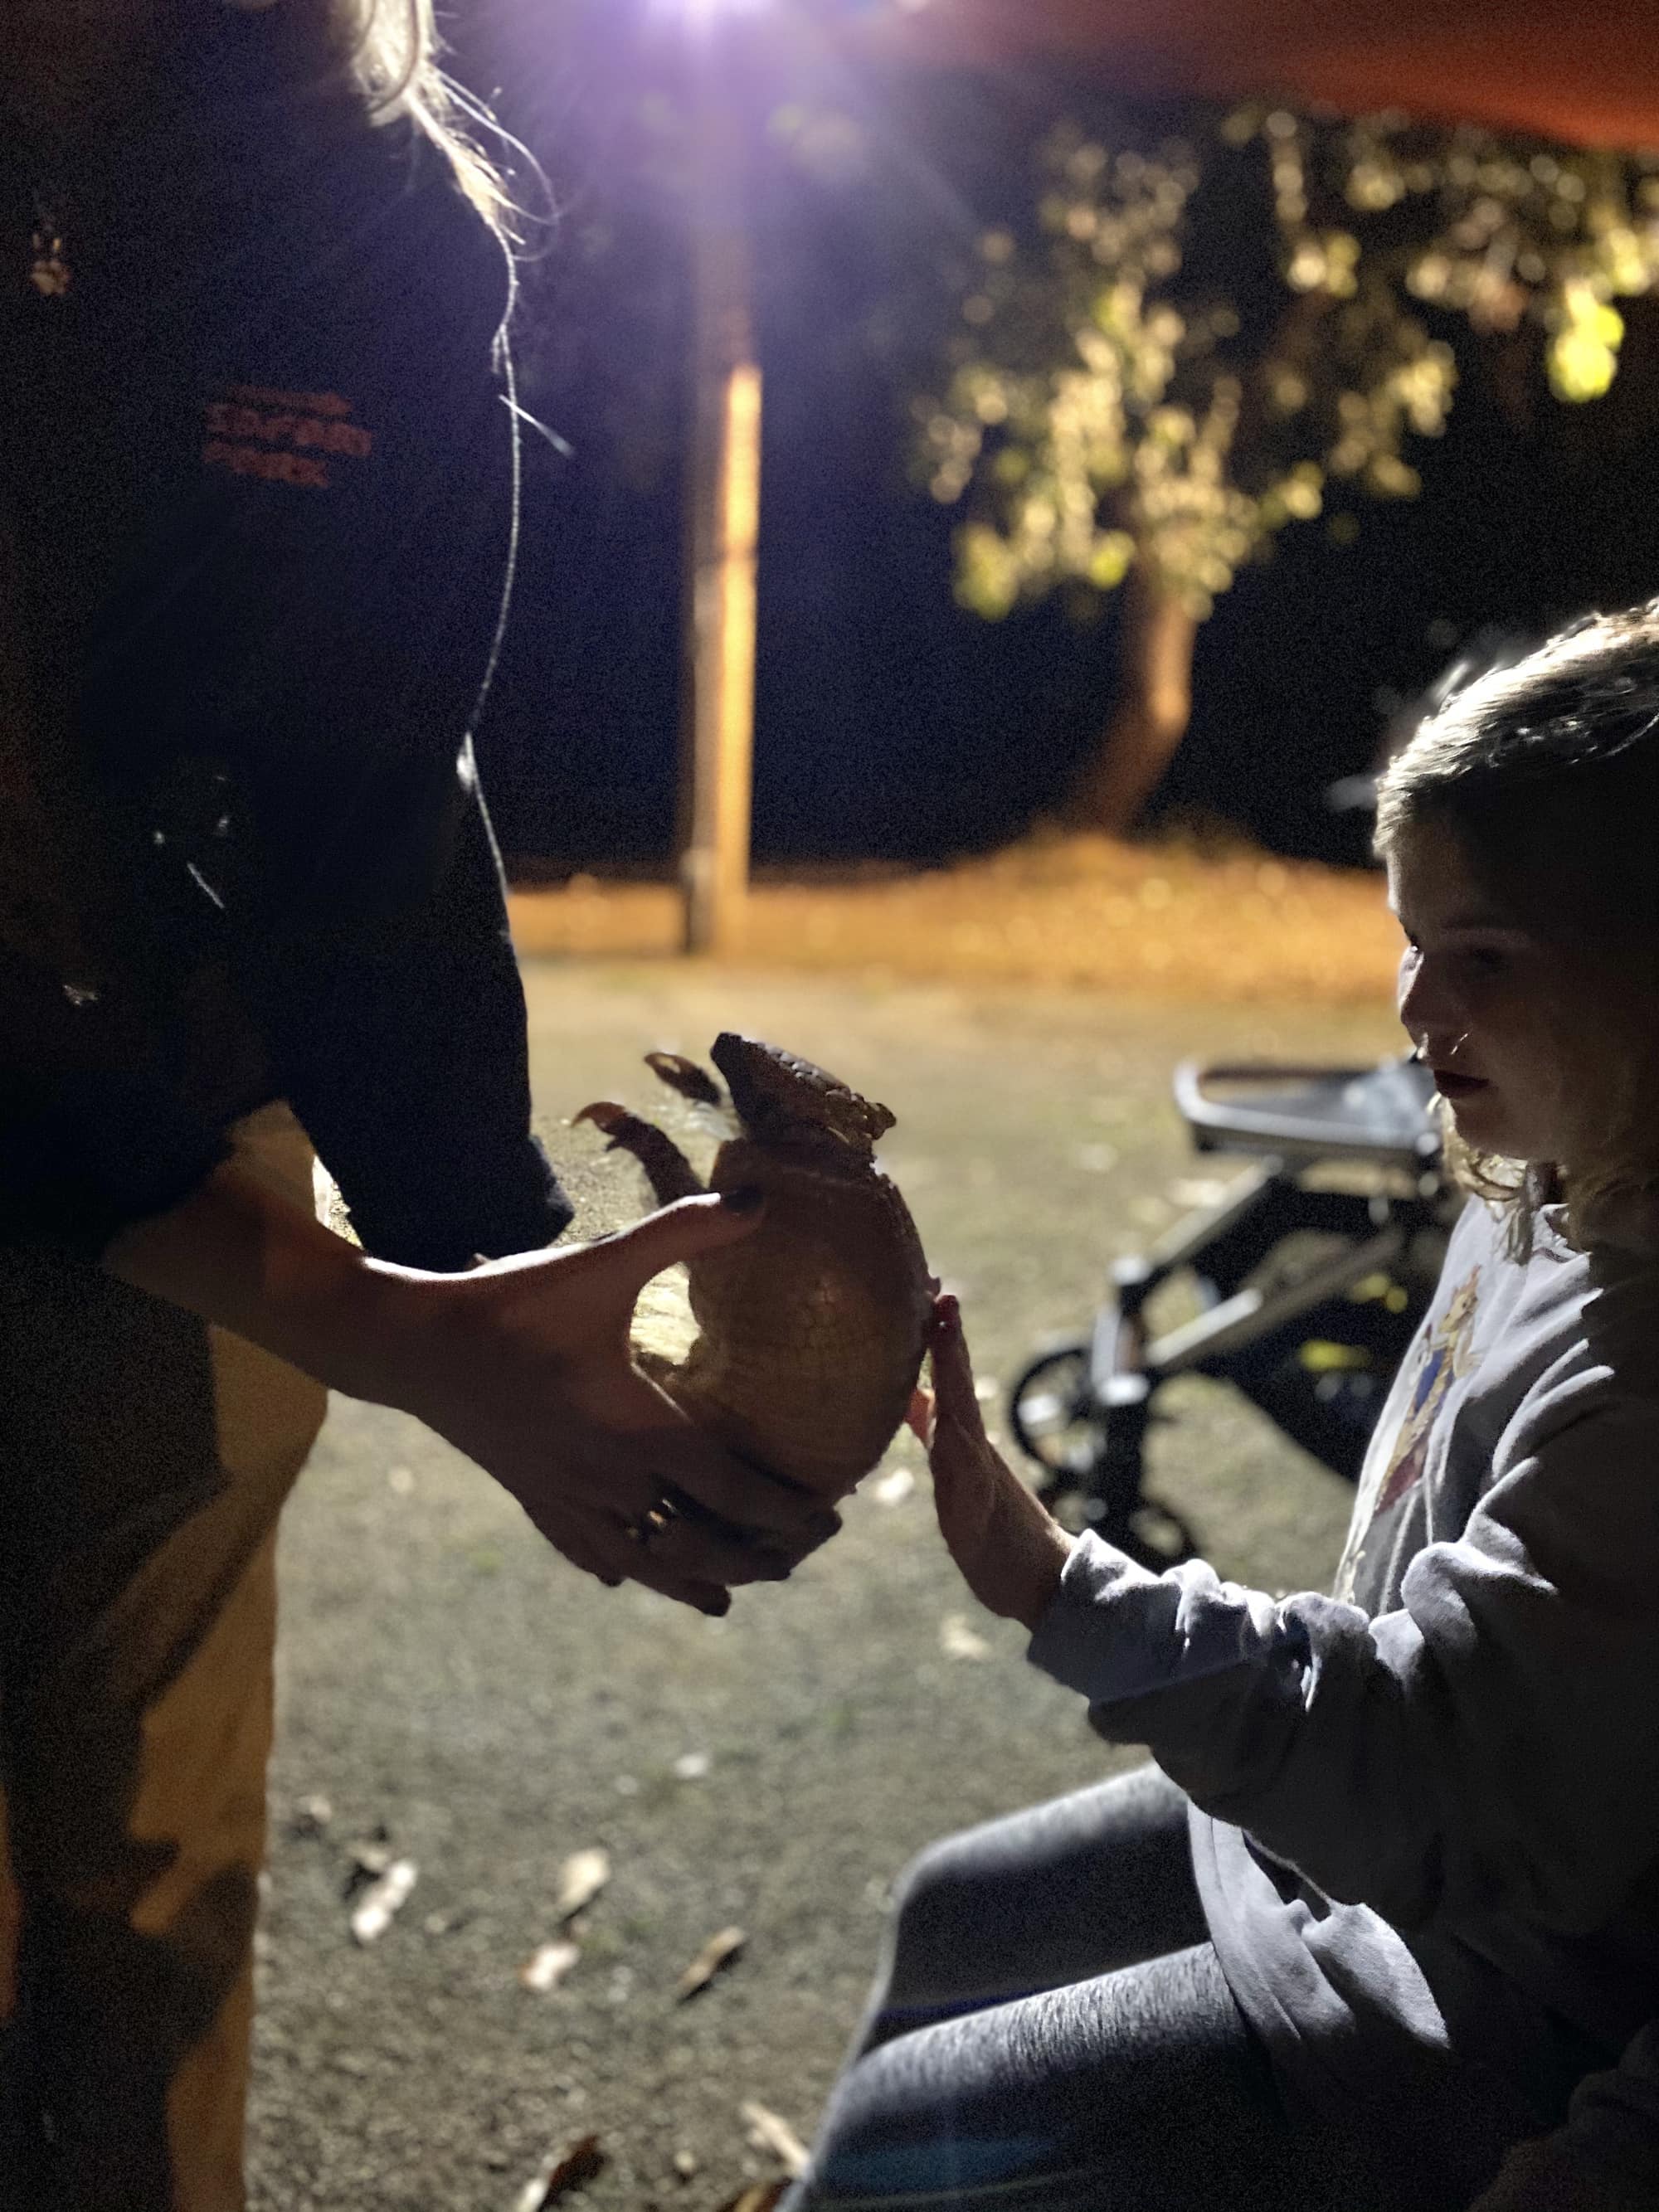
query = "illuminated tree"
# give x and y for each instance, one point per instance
(1131, 404)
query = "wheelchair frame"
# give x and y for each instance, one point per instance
(1315, 1349)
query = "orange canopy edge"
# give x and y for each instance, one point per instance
(1584, 71)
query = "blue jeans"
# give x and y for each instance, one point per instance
(1051, 2032)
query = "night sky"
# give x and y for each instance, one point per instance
(889, 723)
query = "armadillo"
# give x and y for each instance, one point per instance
(811, 1329)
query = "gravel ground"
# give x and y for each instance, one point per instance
(451, 1687)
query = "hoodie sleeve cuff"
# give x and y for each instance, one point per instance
(1075, 1641)
(1116, 1633)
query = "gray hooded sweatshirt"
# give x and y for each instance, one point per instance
(1426, 1807)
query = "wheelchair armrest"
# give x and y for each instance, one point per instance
(1379, 1113)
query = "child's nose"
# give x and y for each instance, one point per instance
(1426, 1003)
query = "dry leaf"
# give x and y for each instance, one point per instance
(310, 1816)
(769, 2131)
(566, 2168)
(759, 2197)
(368, 1863)
(893, 1489)
(371, 1856)
(546, 1968)
(718, 1951)
(382, 1899)
(581, 1878)
(957, 1641)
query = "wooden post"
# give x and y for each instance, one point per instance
(722, 533)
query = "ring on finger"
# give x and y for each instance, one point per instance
(649, 1527)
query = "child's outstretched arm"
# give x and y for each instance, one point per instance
(1484, 1749)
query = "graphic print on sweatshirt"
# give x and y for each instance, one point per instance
(1445, 1353)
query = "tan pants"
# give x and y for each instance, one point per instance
(143, 1459)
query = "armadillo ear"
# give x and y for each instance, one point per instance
(684, 1076)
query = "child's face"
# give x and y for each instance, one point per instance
(1475, 993)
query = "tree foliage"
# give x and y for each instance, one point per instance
(1202, 337)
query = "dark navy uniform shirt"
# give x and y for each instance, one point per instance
(259, 471)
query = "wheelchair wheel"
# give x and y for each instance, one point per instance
(1090, 1457)
(1053, 1416)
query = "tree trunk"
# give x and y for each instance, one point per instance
(1157, 633)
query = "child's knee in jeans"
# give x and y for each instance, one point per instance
(928, 1888)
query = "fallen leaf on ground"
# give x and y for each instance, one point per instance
(382, 1899)
(310, 1816)
(759, 2197)
(566, 2168)
(718, 1951)
(368, 1863)
(371, 1856)
(546, 1968)
(581, 1878)
(894, 1488)
(956, 1640)
(770, 2130)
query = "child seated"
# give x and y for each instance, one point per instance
(1391, 1890)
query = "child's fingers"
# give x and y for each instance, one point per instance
(953, 1369)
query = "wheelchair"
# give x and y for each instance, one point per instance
(1308, 1280)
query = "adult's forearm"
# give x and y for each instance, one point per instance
(239, 1253)
(523, 1363)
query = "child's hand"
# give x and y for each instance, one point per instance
(1010, 1549)
(1545, 2176)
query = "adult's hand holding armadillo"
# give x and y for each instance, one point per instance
(810, 1331)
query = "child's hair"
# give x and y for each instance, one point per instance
(1545, 774)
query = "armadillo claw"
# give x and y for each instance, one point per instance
(684, 1076)
(605, 1114)
(671, 1175)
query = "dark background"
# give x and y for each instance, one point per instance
(890, 723)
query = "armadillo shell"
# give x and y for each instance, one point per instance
(812, 1327)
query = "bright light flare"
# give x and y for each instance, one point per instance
(702, 14)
